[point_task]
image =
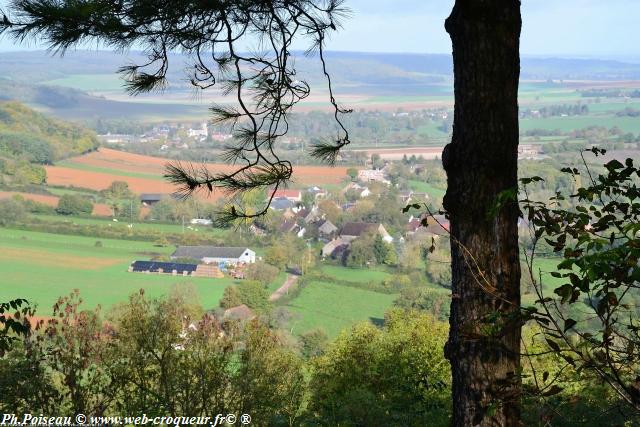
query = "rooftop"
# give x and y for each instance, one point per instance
(199, 252)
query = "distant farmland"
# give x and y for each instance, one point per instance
(144, 173)
(399, 153)
(41, 267)
(98, 209)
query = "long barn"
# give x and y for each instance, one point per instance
(216, 254)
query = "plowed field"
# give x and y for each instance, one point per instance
(99, 169)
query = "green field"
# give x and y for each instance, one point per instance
(57, 191)
(42, 267)
(357, 275)
(106, 222)
(423, 187)
(334, 307)
(566, 124)
(91, 82)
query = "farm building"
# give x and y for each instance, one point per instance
(352, 230)
(216, 254)
(162, 267)
(373, 175)
(334, 248)
(150, 199)
(327, 229)
(176, 269)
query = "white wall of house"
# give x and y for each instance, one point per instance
(248, 257)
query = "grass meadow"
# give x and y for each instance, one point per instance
(334, 307)
(123, 225)
(42, 267)
(357, 275)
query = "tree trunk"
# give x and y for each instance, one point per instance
(481, 166)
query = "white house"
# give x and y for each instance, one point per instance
(198, 133)
(216, 254)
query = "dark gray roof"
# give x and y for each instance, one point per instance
(281, 204)
(358, 228)
(153, 196)
(199, 252)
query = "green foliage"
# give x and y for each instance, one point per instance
(19, 172)
(313, 342)
(150, 356)
(352, 173)
(360, 253)
(432, 301)
(384, 252)
(230, 298)
(261, 272)
(555, 393)
(71, 204)
(27, 134)
(270, 381)
(277, 256)
(394, 376)
(13, 325)
(254, 295)
(439, 263)
(590, 319)
(123, 202)
(11, 210)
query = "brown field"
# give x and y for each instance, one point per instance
(52, 259)
(59, 175)
(98, 208)
(127, 162)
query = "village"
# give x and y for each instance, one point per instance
(340, 227)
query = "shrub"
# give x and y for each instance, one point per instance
(392, 376)
(11, 210)
(230, 297)
(261, 272)
(71, 204)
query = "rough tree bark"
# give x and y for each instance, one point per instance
(481, 164)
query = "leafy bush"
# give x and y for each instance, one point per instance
(261, 272)
(11, 210)
(392, 376)
(72, 204)
(425, 299)
(254, 295)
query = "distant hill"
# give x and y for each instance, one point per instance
(84, 86)
(348, 67)
(29, 139)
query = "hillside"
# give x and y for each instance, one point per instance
(29, 139)
(41, 139)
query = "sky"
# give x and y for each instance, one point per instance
(604, 28)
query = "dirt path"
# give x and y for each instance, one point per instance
(282, 290)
